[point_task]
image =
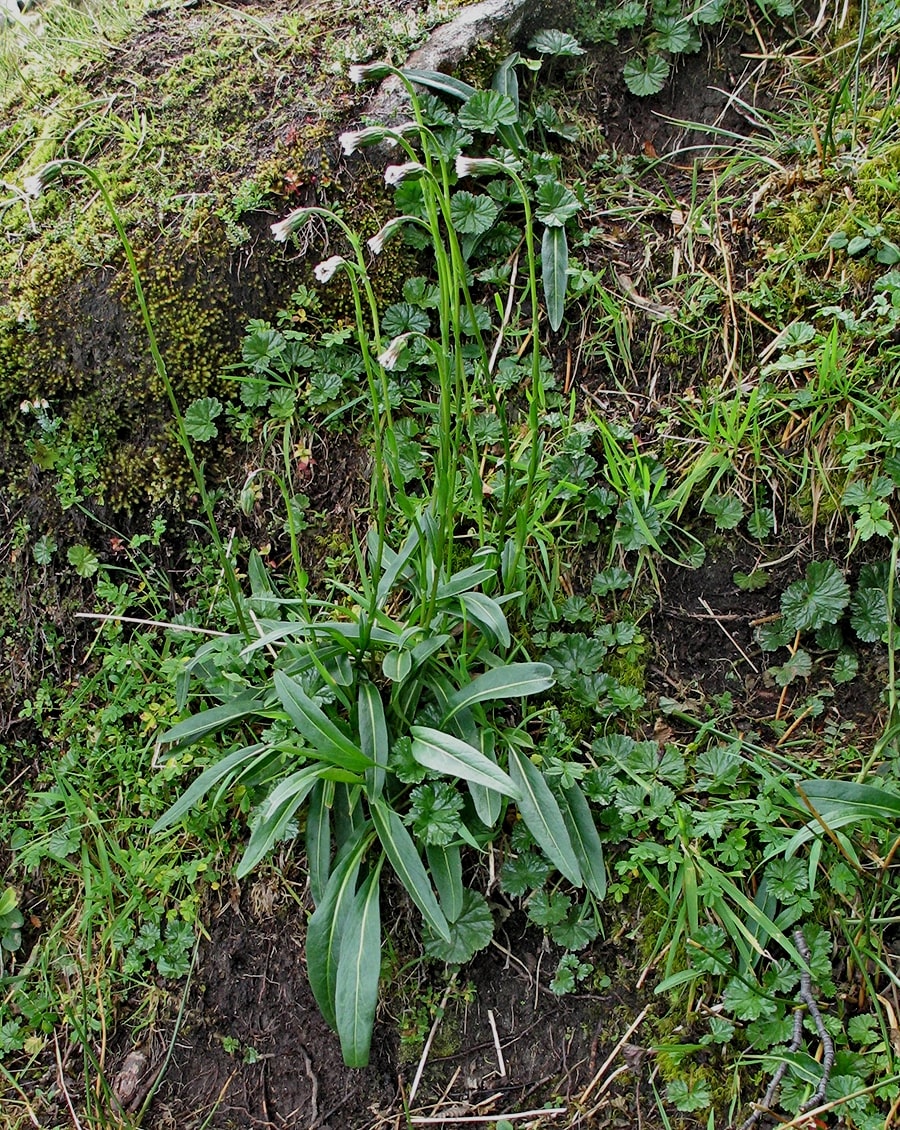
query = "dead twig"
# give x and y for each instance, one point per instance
(807, 1004)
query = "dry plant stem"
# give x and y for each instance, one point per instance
(28, 1107)
(728, 634)
(784, 689)
(501, 1064)
(423, 1059)
(551, 1112)
(61, 1083)
(106, 617)
(585, 1095)
(807, 1004)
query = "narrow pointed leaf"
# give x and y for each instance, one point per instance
(211, 777)
(839, 803)
(542, 816)
(514, 680)
(278, 809)
(488, 802)
(326, 741)
(318, 839)
(445, 864)
(207, 721)
(487, 614)
(401, 851)
(555, 273)
(373, 736)
(325, 929)
(453, 757)
(443, 84)
(359, 967)
(585, 839)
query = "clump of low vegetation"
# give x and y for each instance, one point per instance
(451, 687)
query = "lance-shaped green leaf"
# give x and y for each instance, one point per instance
(318, 838)
(839, 803)
(359, 967)
(443, 84)
(241, 759)
(487, 614)
(373, 736)
(585, 839)
(488, 802)
(453, 757)
(514, 680)
(275, 815)
(208, 721)
(445, 864)
(326, 926)
(326, 741)
(401, 851)
(542, 816)
(555, 273)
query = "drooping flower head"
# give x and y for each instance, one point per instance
(40, 181)
(369, 72)
(390, 229)
(291, 223)
(324, 271)
(362, 138)
(397, 174)
(390, 356)
(477, 166)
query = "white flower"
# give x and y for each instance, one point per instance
(389, 358)
(38, 182)
(290, 224)
(380, 238)
(369, 72)
(361, 138)
(397, 174)
(325, 270)
(476, 166)
(25, 407)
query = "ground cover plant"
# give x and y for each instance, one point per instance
(598, 668)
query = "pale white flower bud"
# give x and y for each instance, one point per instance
(397, 174)
(477, 166)
(290, 224)
(389, 358)
(390, 229)
(324, 271)
(369, 72)
(361, 138)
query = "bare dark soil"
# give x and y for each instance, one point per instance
(253, 1050)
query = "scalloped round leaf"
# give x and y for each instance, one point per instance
(487, 110)
(818, 599)
(471, 214)
(644, 77)
(403, 317)
(552, 41)
(469, 933)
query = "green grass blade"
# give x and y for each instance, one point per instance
(327, 741)
(487, 614)
(318, 839)
(443, 84)
(277, 810)
(542, 816)
(359, 968)
(208, 779)
(453, 757)
(401, 851)
(514, 680)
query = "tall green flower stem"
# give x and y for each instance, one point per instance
(68, 164)
(536, 400)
